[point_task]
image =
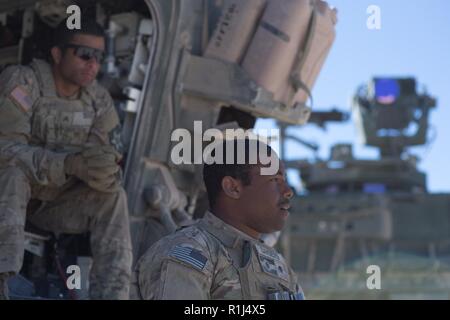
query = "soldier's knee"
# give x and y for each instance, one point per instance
(121, 201)
(113, 203)
(14, 185)
(119, 196)
(12, 174)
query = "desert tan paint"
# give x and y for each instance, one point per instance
(320, 42)
(235, 30)
(276, 41)
(282, 29)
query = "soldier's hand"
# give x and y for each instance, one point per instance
(103, 170)
(97, 166)
(102, 150)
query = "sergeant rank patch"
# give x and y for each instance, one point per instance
(190, 256)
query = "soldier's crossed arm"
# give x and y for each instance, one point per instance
(18, 92)
(106, 129)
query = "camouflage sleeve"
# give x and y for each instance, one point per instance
(106, 127)
(18, 92)
(177, 271)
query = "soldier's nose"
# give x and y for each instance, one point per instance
(288, 193)
(92, 63)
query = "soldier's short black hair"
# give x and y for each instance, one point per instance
(64, 35)
(214, 173)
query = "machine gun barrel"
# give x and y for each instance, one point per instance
(321, 117)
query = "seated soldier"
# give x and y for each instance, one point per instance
(222, 255)
(59, 144)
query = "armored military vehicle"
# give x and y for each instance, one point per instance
(170, 63)
(360, 214)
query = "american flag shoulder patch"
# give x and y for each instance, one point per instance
(21, 98)
(190, 256)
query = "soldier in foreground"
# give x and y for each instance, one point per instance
(221, 256)
(58, 144)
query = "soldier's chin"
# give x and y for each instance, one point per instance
(278, 225)
(85, 81)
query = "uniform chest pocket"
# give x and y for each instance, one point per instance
(265, 273)
(271, 263)
(74, 127)
(255, 282)
(43, 127)
(61, 128)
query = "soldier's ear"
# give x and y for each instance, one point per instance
(231, 187)
(56, 54)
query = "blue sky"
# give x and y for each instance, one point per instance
(414, 40)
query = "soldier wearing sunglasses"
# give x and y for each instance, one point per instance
(57, 147)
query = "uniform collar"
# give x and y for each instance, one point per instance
(227, 234)
(45, 78)
(88, 93)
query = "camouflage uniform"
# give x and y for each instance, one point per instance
(38, 130)
(213, 260)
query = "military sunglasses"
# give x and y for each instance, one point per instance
(86, 53)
